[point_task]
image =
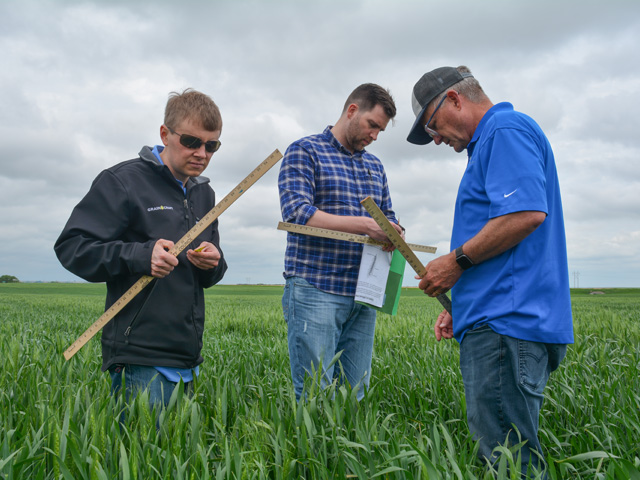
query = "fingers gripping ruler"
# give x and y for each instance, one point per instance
(370, 205)
(178, 247)
(348, 237)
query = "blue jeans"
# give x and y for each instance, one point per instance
(504, 378)
(142, 377)
(322, 324)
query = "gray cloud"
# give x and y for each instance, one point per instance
(84, 84)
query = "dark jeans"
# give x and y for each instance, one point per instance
(504, 378)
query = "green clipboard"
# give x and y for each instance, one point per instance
(394, 285)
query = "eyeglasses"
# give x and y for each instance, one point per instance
(432, 133)
(194, 143)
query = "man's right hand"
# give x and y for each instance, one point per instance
(444, 326)
(359, 225)
(374, 231)
(162, 262)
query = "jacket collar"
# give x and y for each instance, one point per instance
(147, 156)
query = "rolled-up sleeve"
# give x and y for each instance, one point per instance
(296, 185)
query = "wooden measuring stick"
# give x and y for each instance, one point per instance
(400, 244)
(348, 237)
(183, 243)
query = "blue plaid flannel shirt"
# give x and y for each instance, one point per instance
(317, 172)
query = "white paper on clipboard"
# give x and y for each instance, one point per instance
(373, 275)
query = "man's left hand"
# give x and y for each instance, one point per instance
(206, 257)
(441, 274)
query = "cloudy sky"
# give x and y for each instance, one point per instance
(84, 84)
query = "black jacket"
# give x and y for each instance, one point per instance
(109, 238)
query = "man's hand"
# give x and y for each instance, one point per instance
(205, 257)
(162, 262)
(360, 225)
(444, 326)
(441, 274)
(375, 232)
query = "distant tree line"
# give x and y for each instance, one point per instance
(9, 279)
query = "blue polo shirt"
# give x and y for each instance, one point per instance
(523, 292)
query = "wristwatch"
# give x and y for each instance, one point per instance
(464, 261)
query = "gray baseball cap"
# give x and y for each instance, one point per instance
(431, 85)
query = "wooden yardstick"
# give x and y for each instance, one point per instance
(395, 238)
(347, 237)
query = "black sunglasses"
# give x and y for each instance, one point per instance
(194, 143)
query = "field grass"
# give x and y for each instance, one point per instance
(58, 421)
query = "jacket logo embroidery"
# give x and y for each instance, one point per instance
(161, 207)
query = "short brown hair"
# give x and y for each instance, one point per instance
(192, 105)
(368, 95)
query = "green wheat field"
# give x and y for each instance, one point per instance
(57, 419)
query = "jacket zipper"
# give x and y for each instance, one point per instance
(187, 208)
(144, 303)
(127, 331)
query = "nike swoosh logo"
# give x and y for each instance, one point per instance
(509, 194)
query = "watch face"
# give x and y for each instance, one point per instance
(464, 261)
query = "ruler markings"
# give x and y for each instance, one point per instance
(370, 205)
(349, 237)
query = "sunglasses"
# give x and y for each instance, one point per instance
(194, 143)
(432, 133)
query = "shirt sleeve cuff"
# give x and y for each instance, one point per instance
(305, 213)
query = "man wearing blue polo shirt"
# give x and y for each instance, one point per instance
(507, 269)
(323, 178)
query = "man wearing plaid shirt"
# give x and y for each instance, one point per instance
(322, 180)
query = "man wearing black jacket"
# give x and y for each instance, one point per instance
(123, 228)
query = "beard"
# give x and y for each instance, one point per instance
(355, 139)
